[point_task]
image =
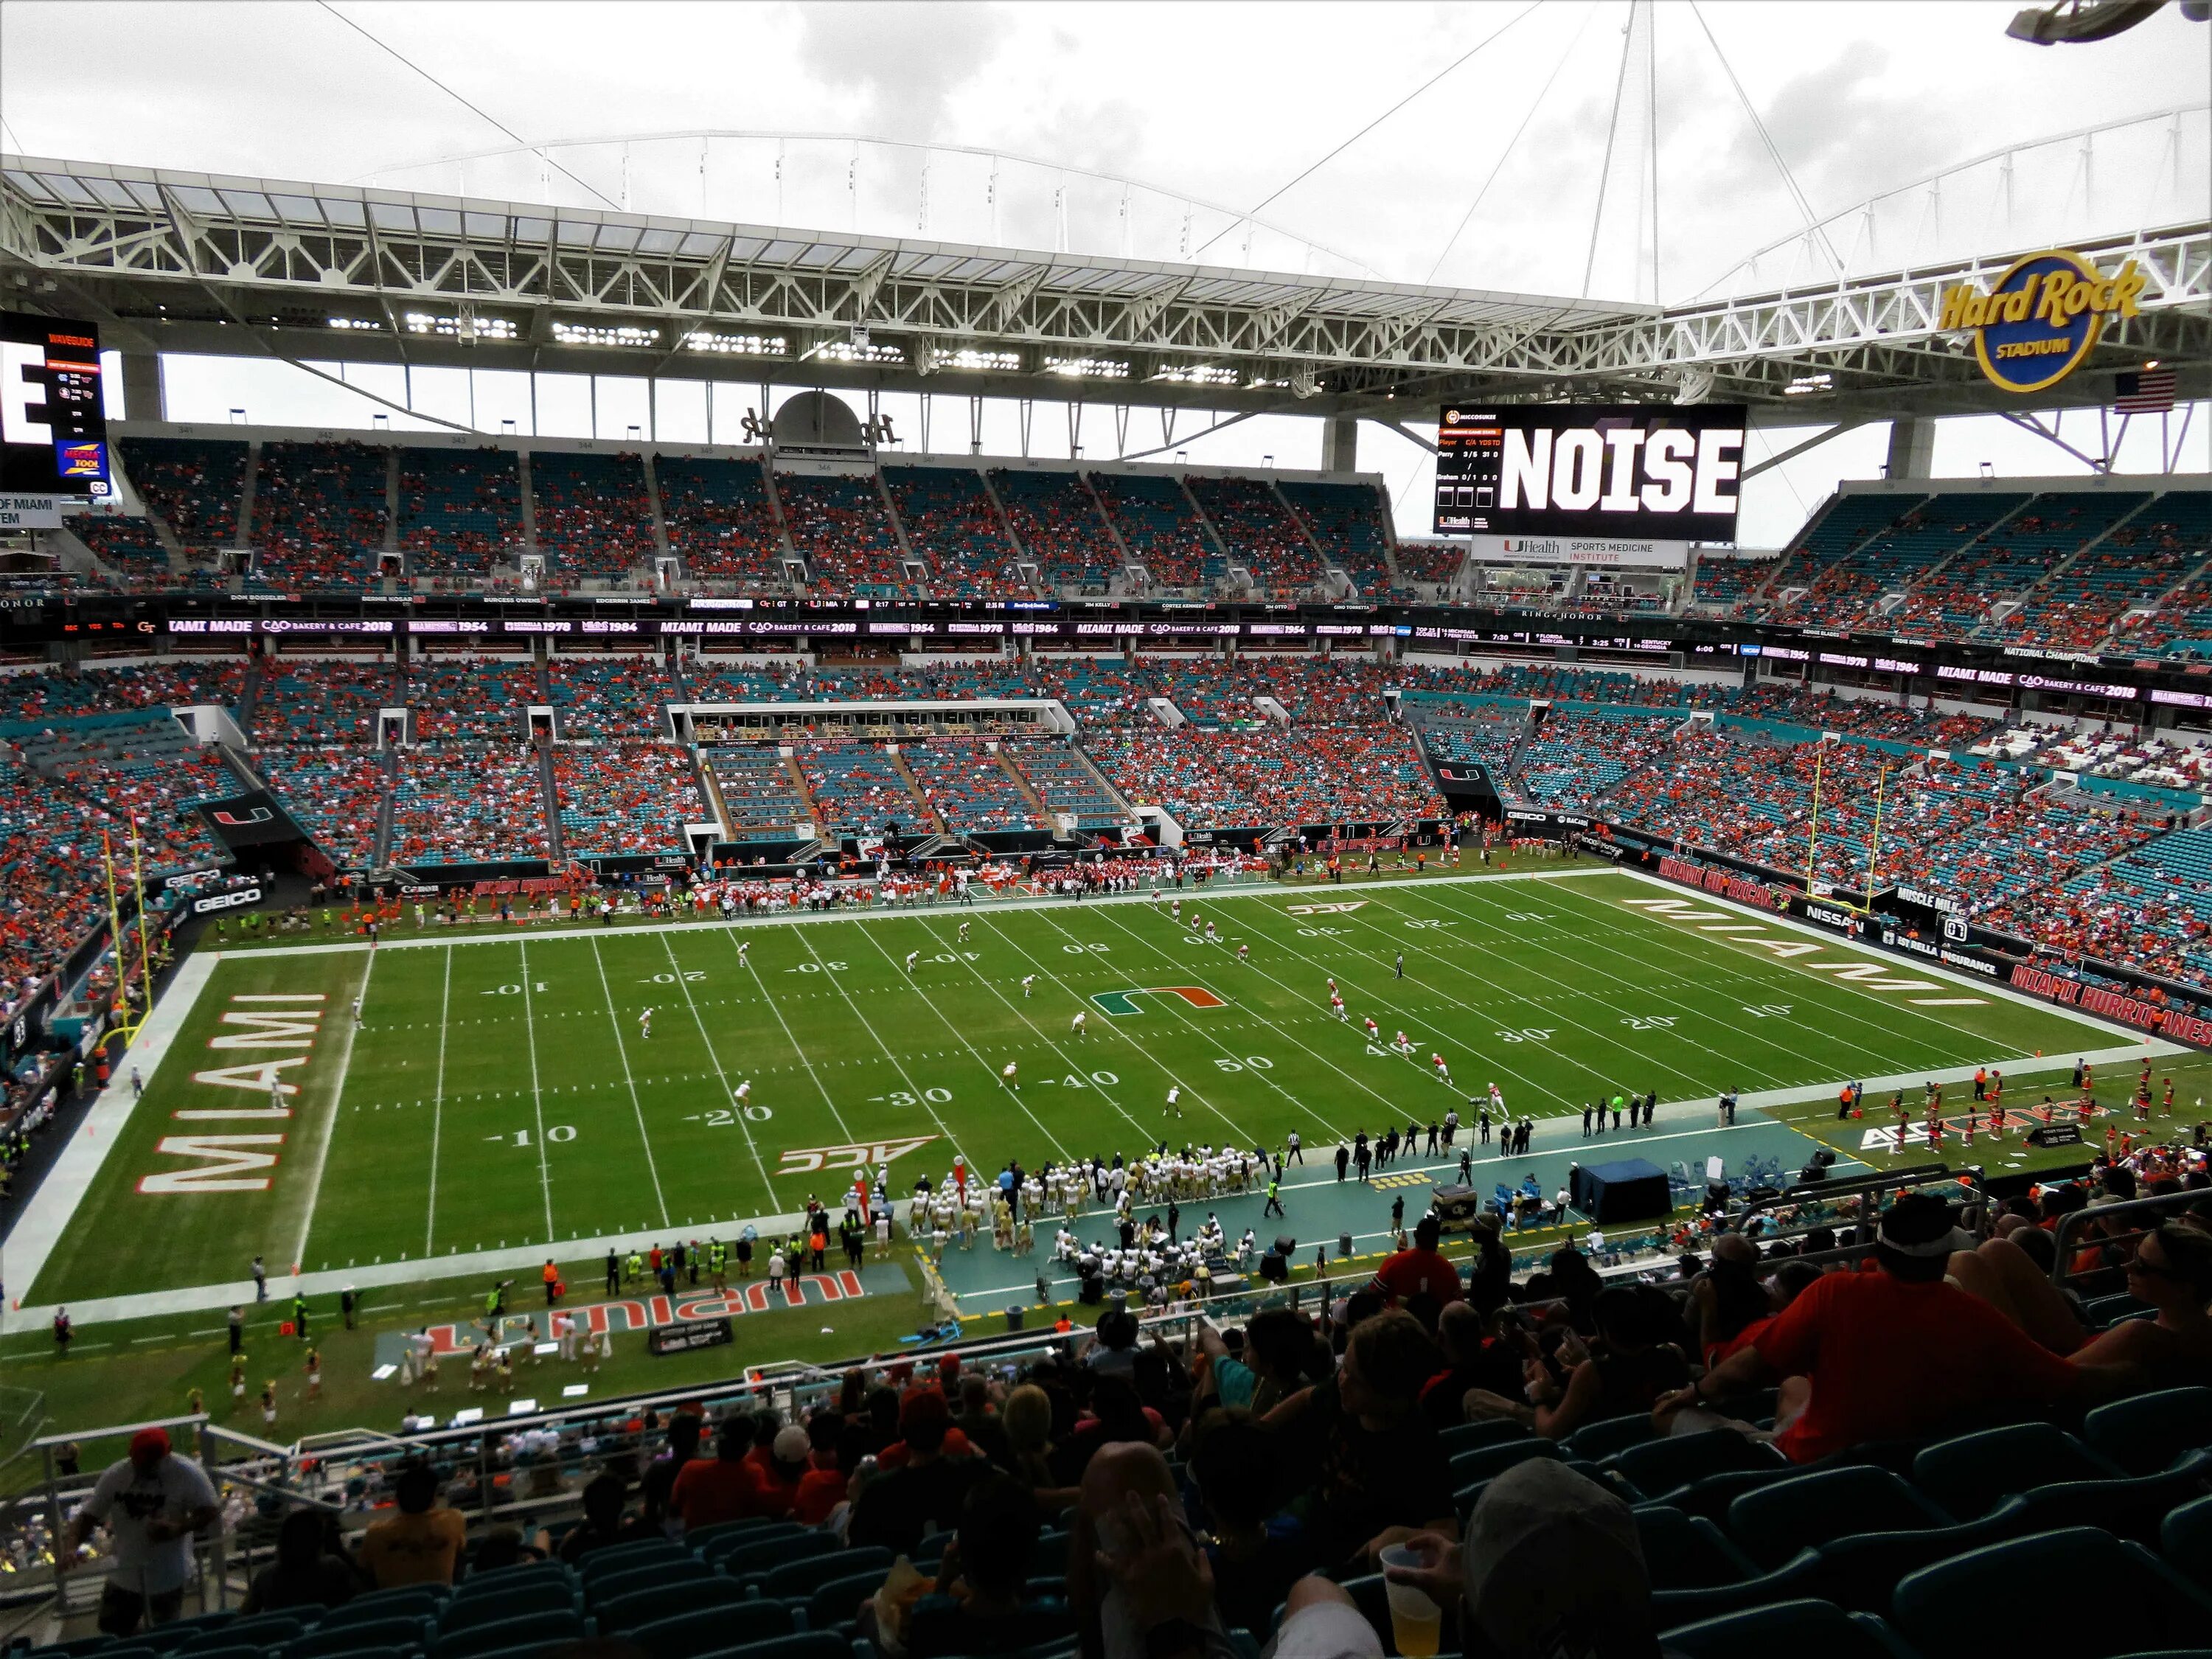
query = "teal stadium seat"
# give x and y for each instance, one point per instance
(1970, 1475)
(686, 1636)
(653, 1575)
(1773, 1521)
(410, 1602)
(490, 1607)
(1470, 1436)
(1802, 1630)
(837, 1602)
(795, 1580)
(2025, 1593)
(1487, 1462)
(1658, 1466)
(529, 1629)
(803, 1644)
(656, 1601)
(2147, 1433)
(1687, 1551)
(2185, 1540)
(1599, 1441)
(327, 1640)
(757, 1561)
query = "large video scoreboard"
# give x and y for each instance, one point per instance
(1634, 472)
(54, 427)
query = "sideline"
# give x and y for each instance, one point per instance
(1670, 1116)
(39, 1226)
(1319, 893)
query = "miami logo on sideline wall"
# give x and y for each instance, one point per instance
(1116, 1004)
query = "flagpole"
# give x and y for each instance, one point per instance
(1813, 839)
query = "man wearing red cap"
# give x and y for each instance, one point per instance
(152, 1502)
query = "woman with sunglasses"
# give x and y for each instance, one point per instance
(2170, 1272)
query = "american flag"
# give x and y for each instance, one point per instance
(2149, 393)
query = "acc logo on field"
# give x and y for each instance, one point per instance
(2036, 326)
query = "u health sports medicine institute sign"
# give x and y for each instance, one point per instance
(2034, 327)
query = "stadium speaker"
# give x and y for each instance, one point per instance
(1823, 1157)
(1286, 1246)
(1093, 1291)
(1813, 1173)
(1275, 1269)
(1762, 1194)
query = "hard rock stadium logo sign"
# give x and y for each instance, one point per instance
(2035, 326)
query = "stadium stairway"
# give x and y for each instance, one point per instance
(922, 803)
(551, 805)
(1005, 762)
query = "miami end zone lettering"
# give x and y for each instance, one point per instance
(277, 1031)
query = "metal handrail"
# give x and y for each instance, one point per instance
(2157, 1207)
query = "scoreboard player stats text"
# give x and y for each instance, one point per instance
(53, 429)
(1632, 472)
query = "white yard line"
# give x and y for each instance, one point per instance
(714, 1059)
(330, 1127)
(804, 1059)
(630, 1081)
(913, 1088)
(536, 1094)
(438, 1105)
(494, 1263)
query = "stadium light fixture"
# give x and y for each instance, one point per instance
(451, 328)
(1088, 368)
(738, 346)
(980, 362)
(601, 334)
(850, 351)
(361, 324)
(1196, 375)
(1807, 385)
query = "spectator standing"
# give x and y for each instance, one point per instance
(152, 1502)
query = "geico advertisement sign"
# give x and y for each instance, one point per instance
(226, 900)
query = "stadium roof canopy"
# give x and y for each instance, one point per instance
(187, 262)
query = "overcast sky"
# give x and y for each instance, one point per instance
(1489, 179)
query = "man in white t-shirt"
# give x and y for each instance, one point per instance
(151, 1501)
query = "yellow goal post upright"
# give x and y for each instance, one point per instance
(1813, 834)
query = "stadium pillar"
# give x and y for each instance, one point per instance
(142, 386)
(1340, 444)
(1911, 448)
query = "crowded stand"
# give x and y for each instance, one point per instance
(1349, 521)
(2149, 908)
(1726, 586)
(336, 795)
(460, 511)
(40, 694)
(300, 701)
(1575, 760)
(1158, 528)
(859, 789)
(1056, 518)
(592, 518)
(145, 769)
(130, 545)
(839, 524)
(2003, 563)
(758, 787)
(319, 513)
(1257, 531)
(468, 803)
(1065, 782)
(194, 485)
(713, 679)
(951, 524)
(965, 785)
(2138, 561)
(720, 521)
(471, 697)
(1215, 779)
(51, 888)
(2003, 838)
(612, 696)
(1429, 564)
(625, 798)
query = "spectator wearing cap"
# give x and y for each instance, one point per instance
(152, 1502)
(925, 1490)
(1896, 1354)
(1551, 1565)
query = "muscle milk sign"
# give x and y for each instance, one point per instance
(1602, 472)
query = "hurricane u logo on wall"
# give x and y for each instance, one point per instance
(2036, 326)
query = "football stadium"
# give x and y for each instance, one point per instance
(832, 832)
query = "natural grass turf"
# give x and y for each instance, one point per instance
(499, 1093)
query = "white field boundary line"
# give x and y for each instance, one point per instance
(2140, 1044)
(43, 1222)
(1319, 893)
(1553, 1140)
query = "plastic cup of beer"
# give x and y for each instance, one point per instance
(1416, 1622)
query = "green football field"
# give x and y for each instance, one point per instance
(500, 1094)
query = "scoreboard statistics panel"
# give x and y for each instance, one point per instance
(1634, 472)
(53, 427)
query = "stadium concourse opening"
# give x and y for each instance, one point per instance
(1538, 984)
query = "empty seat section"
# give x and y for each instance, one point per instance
(859, 789)
(594, 520)
(968, 788)
(1058, 523)
(1157, 525)
(839, 524)
(719, 520)
(1350, 523)
(460, 511)
(950, 521)
(1065, 782)
(319, 513)
(756, 786)
(194, 485)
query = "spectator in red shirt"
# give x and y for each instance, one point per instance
(824, 1486)
(1896, 1353)
(1421, 1271)
(709, 1491)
